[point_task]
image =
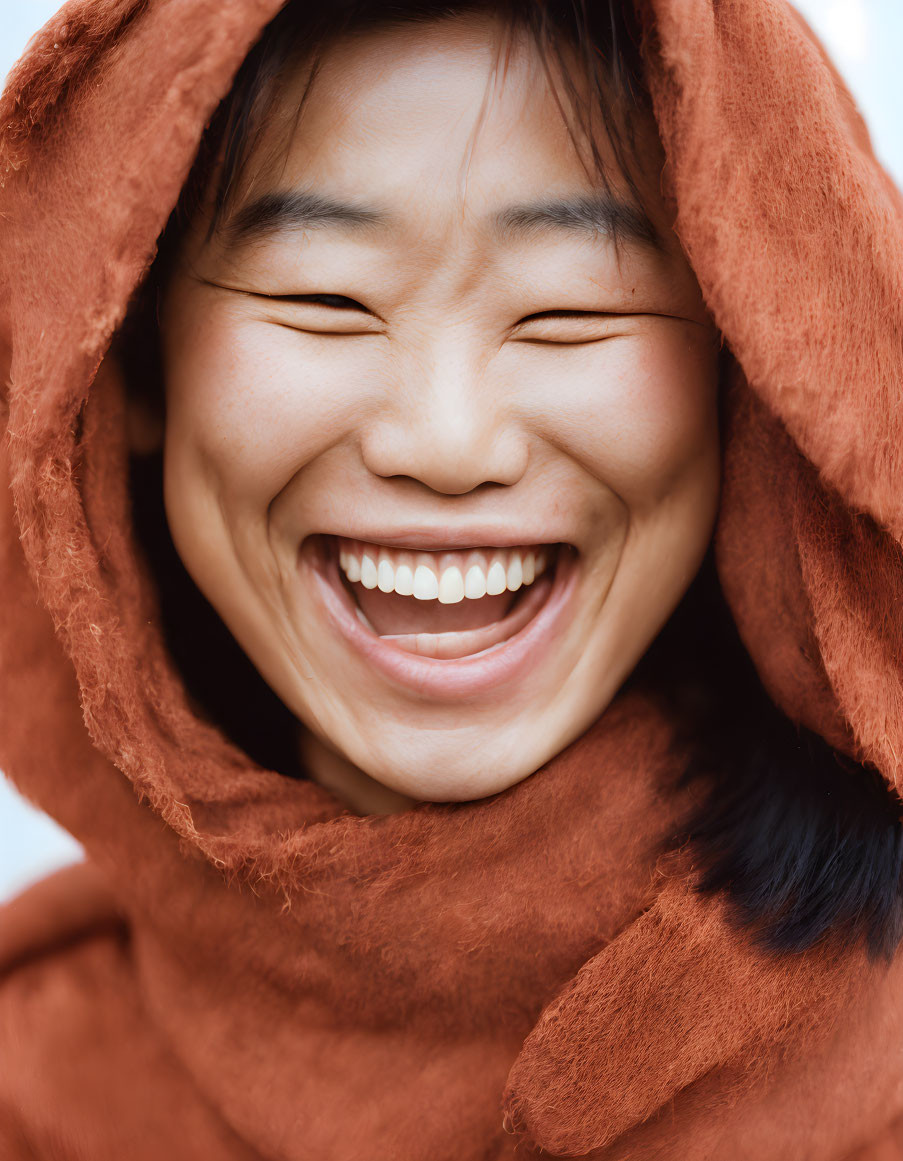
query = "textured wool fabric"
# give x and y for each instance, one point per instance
(244, 971)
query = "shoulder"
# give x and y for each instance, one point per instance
(67, 1035)
(85, 1074)
(70, 905)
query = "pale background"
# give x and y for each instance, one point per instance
(865, 38)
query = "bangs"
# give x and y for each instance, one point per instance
(591, 59)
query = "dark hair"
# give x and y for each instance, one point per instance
(804, 841)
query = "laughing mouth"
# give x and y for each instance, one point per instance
(445, 604)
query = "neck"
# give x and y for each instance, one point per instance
(357, 790)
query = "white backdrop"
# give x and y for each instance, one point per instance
(865, 38)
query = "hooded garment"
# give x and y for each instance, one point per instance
(243, 970)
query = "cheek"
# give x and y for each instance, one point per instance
(639, 412)
(249, 402)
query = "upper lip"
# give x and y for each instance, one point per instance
(438, 537)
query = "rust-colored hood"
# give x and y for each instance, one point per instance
(295, 982)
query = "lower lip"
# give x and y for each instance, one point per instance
(446, 678)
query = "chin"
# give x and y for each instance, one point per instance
(488, 767)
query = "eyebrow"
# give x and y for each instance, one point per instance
(591, 215)
(274, 213)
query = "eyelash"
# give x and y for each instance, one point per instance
(566, 314)
(340, 301)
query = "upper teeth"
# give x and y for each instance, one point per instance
(418, 574)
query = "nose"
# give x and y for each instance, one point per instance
(444, 425)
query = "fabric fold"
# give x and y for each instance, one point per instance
(795, 236)
(678, 996)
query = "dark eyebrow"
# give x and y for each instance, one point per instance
(589, 214)
(297, 210)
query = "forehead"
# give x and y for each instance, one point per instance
(432, 125)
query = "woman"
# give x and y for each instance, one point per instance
(366, 510)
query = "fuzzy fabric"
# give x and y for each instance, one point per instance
(245, 972)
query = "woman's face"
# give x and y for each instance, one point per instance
(414, 363)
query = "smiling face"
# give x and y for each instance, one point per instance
(413, 367)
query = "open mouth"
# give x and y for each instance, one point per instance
(442, 622)
(445, 604)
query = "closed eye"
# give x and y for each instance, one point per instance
(565, 314)
(336, 301)
(567, 327)
(330, 314)
(339, 301)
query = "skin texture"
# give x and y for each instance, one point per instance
(436, 401)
